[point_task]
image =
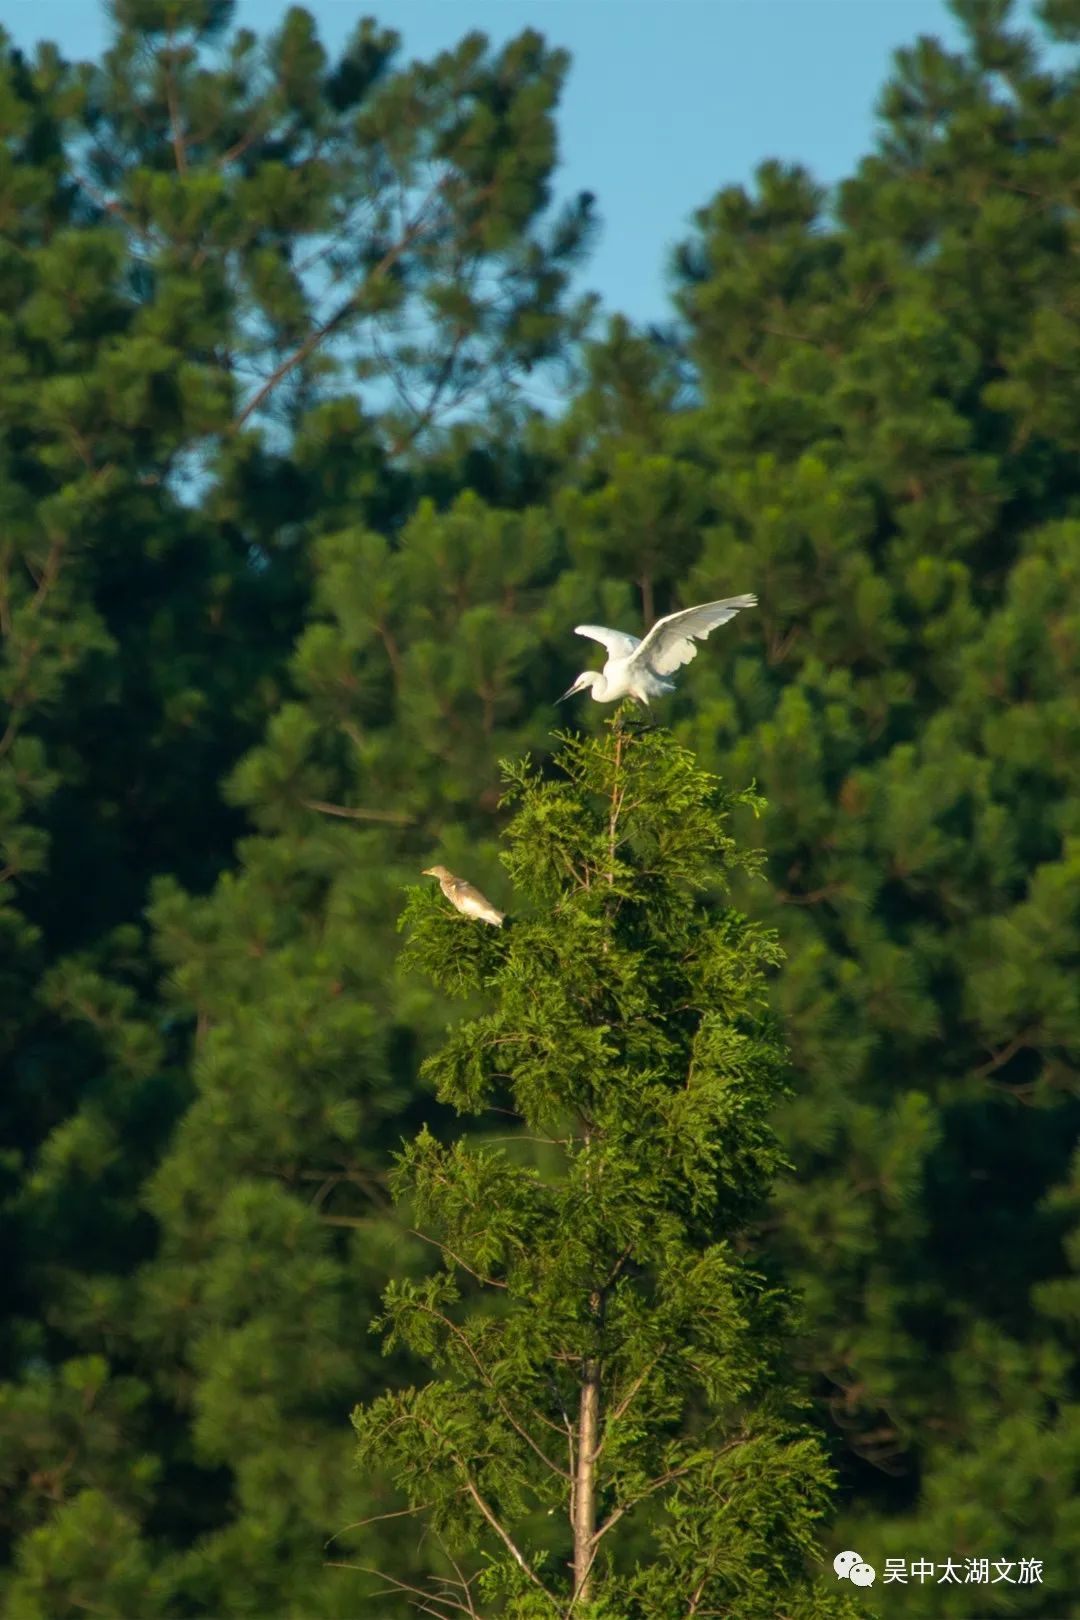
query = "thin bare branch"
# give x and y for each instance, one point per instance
(396, 1585)
(444, 1248)
(814, 897)
(507, 1540)
(377, 1518)
(399, 818)
(647, 1490)
(463, 1581)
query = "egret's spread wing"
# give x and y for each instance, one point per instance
(670, 642)
(617, 642)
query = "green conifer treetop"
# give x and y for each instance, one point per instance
(610, 1431)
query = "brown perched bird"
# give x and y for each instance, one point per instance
(469, 901)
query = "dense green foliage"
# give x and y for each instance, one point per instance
(287, 566)
(610, 1385)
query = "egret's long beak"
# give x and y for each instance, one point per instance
(570, 690)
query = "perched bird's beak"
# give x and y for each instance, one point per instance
(570, 690)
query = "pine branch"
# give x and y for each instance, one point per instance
(177, 134)
(399, 818)
(1002, 1056)
(411, 232)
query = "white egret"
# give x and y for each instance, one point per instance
(638, 669)
(468, 900)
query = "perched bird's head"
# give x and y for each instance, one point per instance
(439, 872)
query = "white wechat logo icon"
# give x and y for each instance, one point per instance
(849, 1566)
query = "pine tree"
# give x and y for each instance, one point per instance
(611, 1431)
(867, 402)
(209, 241)
(889, 461)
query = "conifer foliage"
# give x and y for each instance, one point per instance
(609, 1430)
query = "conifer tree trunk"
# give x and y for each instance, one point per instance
(585, 1473)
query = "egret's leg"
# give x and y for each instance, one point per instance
(637, 722)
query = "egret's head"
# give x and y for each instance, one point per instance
(583, 683)
(439, 872)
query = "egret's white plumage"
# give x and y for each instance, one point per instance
(639, 669)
